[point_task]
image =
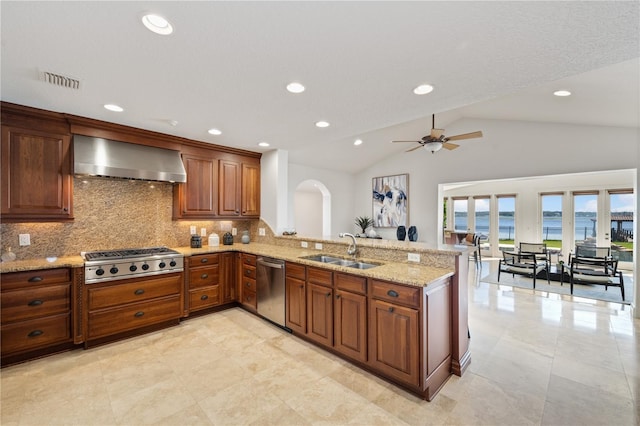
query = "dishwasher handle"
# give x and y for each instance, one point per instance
(270, 263)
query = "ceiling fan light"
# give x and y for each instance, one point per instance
(433, 146)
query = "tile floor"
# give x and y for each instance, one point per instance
(537, 358)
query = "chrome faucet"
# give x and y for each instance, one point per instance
(353, 248)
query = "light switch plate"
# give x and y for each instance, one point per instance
(318, 246)
(304, 244)
(25, 239)
(261, 232)
(203, 232)
(413, 257)
(192, 230)
(234, 231)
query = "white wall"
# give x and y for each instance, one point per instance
(274, 197)
(341, 187)
(308, 213)
(508, 149)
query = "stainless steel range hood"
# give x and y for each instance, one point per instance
(104, 157)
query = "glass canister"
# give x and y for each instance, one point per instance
(245, 237)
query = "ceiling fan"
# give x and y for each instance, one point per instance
(437, 140)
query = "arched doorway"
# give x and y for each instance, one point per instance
(312, 209)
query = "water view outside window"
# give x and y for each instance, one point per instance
(506, 221)
(460, 214)
(483, 217)
(552, 220)
(621, 205)
(585, 218)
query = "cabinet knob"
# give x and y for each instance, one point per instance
(248, 284)
(301, 286)
(138, 314)
(65, 209)
(138, 292)
(329, 294)
(392, 293)
(35, 333)
(204, 297)
(204, 276)
(36, 302)
(337, 296)
(35, 279)
(391, 309)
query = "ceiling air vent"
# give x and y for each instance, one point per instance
(60, 80)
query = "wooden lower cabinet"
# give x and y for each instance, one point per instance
(114, 308)
(36, 311)
(296, 302)
(228, 281)
(320, 314)
(350, 324)
(203, 285)
(248, 297)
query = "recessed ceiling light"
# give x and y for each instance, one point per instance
(157, 24)
(295, 87)
(322, 124)
(173, 123)
(562, 93)
(113, 107)
(215, 132)
(423, 89)
(357, 142)
(263, 144)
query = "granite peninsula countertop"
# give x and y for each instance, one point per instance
(419, 275)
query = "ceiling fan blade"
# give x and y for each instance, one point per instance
(414, 148)
(436, 133)
(464, 136)
(449, 146)
(405, 141)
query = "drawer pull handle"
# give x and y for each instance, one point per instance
(247, 272)
(392, 293)
(138, 314)
(204, 297)
(138, 292)
(204, 260)
(248, 284)
(248, 298)
(36, 302)
(391, 309)
(35, 279)
(337, 296)
(204, 276)
(329, 294)
(35, 333)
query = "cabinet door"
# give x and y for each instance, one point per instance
(320, 313)
(197, 197)
(251, 189)
(394, 341)
(350, 324)
(228, 278)
(36, 175)
(296, 318)
(229, 187)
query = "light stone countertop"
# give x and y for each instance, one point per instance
(400, 272)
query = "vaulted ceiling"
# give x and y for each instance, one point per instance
(226, 66)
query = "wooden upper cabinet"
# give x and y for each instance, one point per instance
(37, 181)
(197, 198)
(230, 188)
(251, 189)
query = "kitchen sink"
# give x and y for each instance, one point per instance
(341, 262)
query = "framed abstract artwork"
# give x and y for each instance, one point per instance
(390, 201)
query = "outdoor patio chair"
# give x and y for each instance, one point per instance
(527, 263)
(596, 270)
(592, 251)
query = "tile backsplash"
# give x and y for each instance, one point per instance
(111, 214)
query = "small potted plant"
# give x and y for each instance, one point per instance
(363, 223)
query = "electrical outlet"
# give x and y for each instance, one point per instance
(192, 230)
(234, 231)
(25, 239)
(318, 246)
(304, 244)
(413, 257)
(203, 232)
(261, 232)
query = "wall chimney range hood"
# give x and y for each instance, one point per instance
(104, 157)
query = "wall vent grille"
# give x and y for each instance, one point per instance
(60, 80)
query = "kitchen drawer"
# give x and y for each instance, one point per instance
(248, 284)
(249, 271)
(204, 298)
(249, 299)
(296, 271)
(203, 260)
(132, 316)
(249, 259)
(395, 293)
(133, 291)
(35, 302)
(351, 283)
(32, 334)
(320, 276)
(16, 280)
(203, 277)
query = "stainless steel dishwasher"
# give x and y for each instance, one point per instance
(270, 289)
